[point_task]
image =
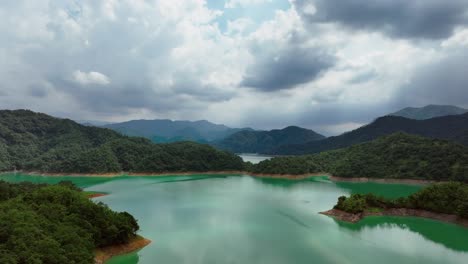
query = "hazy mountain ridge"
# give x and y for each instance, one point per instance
(264, 141)
(429, 111)
(165, 130)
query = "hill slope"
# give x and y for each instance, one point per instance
(396, 156)
(163, 130)
(429, 111)
(264, 141)
(38, 142)
(447, 127)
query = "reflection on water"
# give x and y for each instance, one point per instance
(245, 220)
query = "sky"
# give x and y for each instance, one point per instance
(327, 65)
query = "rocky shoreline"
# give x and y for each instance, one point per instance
(354, 218)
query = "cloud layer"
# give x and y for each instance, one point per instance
(325, 64)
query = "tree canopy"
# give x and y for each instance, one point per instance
(37, 142)
(56, 224)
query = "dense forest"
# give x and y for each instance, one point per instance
(56, 224)
(447, 198)
(397, 156)
(32, 141)
(454, 128)
(249, 141)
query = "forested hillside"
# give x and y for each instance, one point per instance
(56, 224)
(37, 142)
(266, 141)
(397, 156)
(453, 128)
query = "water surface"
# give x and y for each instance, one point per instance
(254, 158)
(240, 219)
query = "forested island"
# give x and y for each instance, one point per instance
(442, 201)
(42, 223)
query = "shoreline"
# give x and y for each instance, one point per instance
(162, 174)
(104, 254)
(233, 173)
(96, 195)
(384, 180)
(399, 212)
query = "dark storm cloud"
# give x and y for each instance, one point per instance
(291, 67)
(444, 82)
(429, 19)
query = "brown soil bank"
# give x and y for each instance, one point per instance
(96, 195)
(354, 218)
(104, 254)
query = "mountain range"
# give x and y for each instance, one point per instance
(436, 121)
(164, 130)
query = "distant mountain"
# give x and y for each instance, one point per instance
(454, 127)
(164, 130)
(265, 141)
(429, 111)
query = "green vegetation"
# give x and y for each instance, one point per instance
(249, 141)
(56, 224)
(447, 198)
(398, 156)
(37, 142)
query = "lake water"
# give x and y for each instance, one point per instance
(254, 158)
(241, 220)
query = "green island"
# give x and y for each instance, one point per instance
(42, 223)
(442, 201)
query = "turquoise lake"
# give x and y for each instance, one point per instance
(207, 219)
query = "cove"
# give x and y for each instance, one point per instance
(240, 219)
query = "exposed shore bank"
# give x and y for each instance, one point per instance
(104, 254)
(96, 195)
(354, 218)
(217, 173)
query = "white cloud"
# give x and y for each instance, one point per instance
(84, 78)
(170, 59)
(243, 3)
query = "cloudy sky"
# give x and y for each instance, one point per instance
(329, 65)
